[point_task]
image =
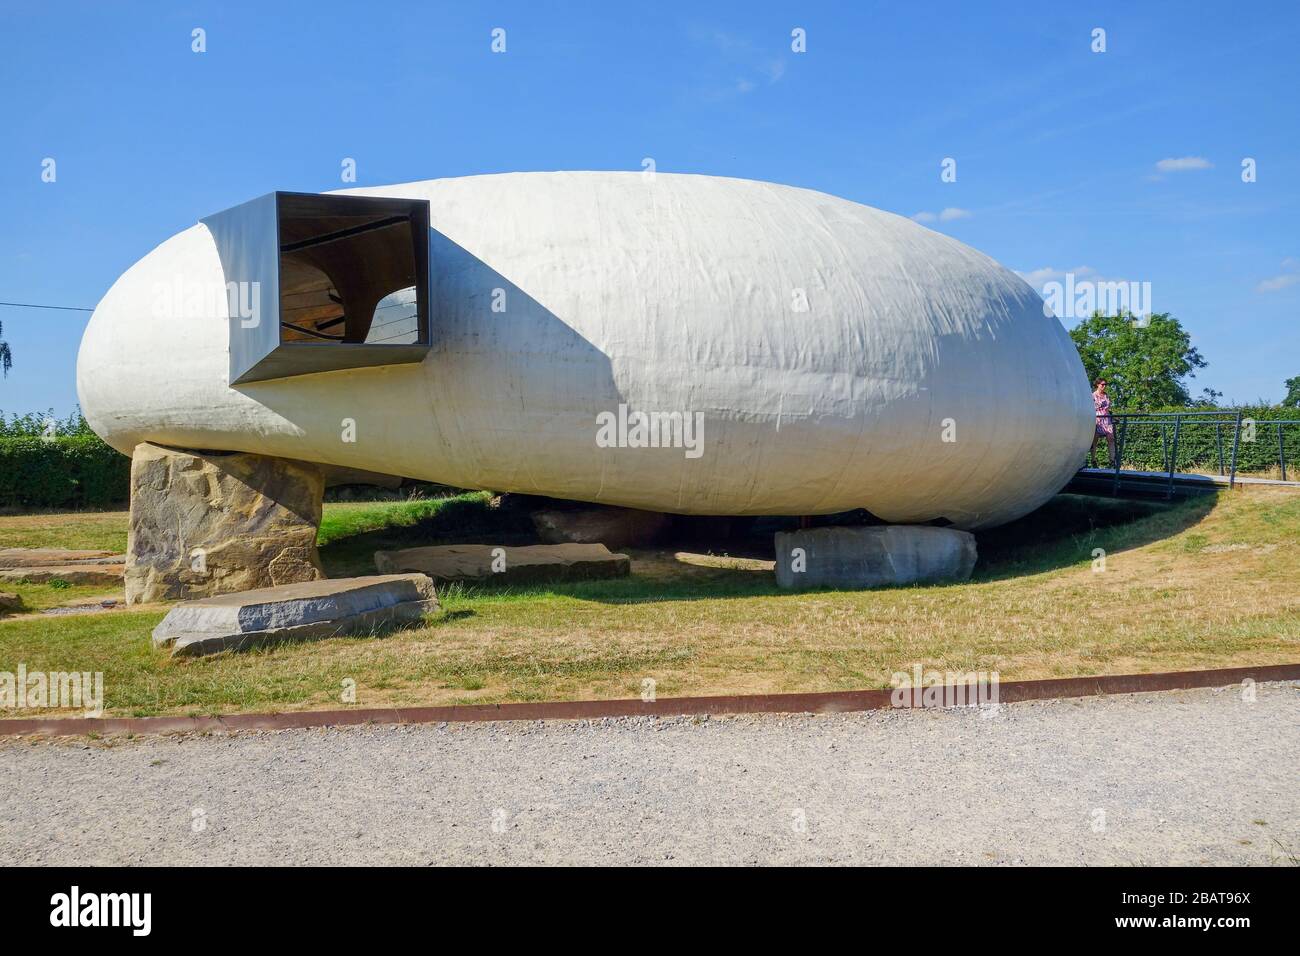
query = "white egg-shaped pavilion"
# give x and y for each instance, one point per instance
(686, 344)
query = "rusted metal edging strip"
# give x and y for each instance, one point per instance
(831, 702)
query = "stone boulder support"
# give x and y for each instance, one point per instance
(308, 611)
(870, 557)
(613, 527)
(488, 564)
(208, 523)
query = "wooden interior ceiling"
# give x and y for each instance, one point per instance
(334, 270)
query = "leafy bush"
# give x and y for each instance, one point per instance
(66, 471)
(42, 425)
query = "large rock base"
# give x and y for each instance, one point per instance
(208, 523)
(872, 557)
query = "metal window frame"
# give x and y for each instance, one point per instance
(248, 243)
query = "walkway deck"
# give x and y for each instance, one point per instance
(1146, 484)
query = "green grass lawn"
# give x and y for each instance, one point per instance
(1201, 583)
(77, 530)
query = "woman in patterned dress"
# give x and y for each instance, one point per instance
(1105, 424)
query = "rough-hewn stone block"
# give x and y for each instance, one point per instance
(310, 610)
(207, 523)
(870, 557)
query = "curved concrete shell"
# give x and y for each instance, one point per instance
(832, 356)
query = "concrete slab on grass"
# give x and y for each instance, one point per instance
(55, 557)
(489, 564)
(109, 574)
(309, 610)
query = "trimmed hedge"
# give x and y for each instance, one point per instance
(66, 471)
(1198, 448)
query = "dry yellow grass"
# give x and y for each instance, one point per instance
(1206, 583)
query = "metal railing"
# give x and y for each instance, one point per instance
(1172, 424)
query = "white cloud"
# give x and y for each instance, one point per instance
(1278, 283)
(751, 65)
(1183, 164)
(945, 215)
(1289, 276)
(1038, 277)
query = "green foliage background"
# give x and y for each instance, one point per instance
(1292, 399)
(64, 472)
(46, 462)
(1198, 442)
(1144, 365)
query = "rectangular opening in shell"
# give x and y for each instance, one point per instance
(321, 282)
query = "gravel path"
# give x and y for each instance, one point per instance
(1182, 777)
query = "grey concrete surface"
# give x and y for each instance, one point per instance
(1185, 777)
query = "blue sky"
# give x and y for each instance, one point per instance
(1124, 164)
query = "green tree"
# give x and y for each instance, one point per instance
(1209, 398)
(1144, 362)
(1292, 399)
(6, 357)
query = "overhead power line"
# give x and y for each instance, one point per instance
(61, 308)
